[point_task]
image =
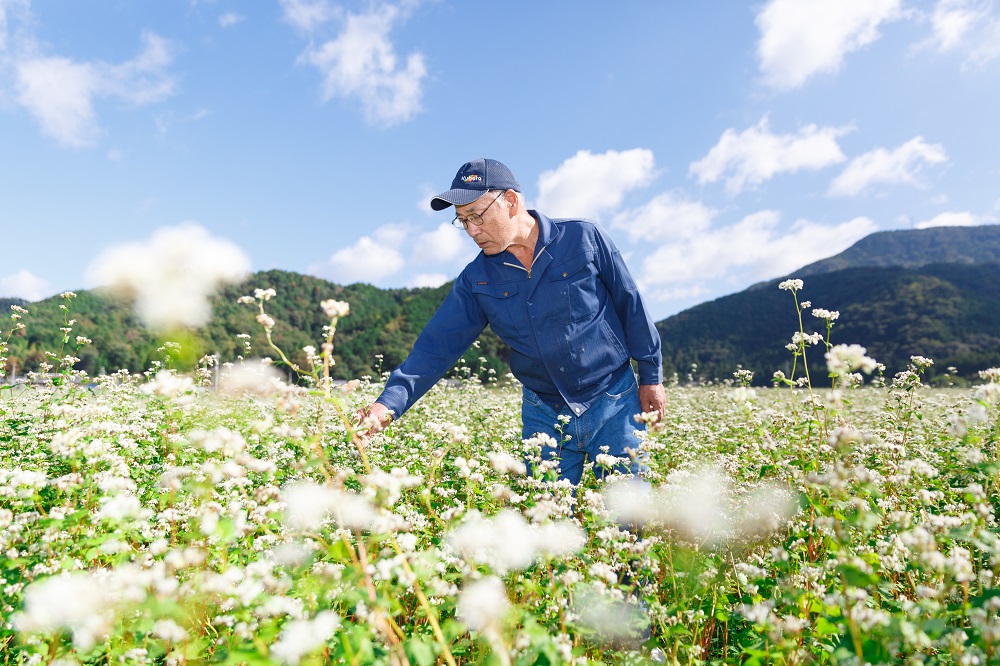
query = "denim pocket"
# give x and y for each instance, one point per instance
(530, 397)
(630, 384)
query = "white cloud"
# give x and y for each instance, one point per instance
(24, 284)
(667, 216)
(880, 166)
(802, 38)
(369, 259)
(230, 19)
(444, 244)
(361, 63)
(968, 26)
(756, 154)
(587, 185)
(954, 219)
(427, 191)
(753, 249)
(428, 280)
(306, 15)
(60, 92)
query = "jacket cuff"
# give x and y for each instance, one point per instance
(649, 373)
(395, 403)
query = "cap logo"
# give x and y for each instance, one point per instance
(471, 177)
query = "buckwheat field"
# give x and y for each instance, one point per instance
(227, 516)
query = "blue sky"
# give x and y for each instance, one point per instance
(720, 143)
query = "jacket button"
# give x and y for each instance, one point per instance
(505, 293)
(565, 274)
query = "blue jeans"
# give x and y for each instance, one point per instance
(609, 422)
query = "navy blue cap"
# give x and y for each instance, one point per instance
(473, 180)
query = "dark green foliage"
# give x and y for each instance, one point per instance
(947, 312)
(382, 322)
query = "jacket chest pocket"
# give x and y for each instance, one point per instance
(577, 285)
(502, 308)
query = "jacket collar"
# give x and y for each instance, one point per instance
(546, 232)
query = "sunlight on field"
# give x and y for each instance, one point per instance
(149, 520)
(227, 516)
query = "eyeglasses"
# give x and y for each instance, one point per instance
(475, 219)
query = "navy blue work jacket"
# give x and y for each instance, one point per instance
(572, 321)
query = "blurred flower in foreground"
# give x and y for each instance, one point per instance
(610, 617)
(506, 541)
(78, 601)
(171, 275)
(300, 637)
(483, 604)
(308, 505)
(253, 377)
(700, 507)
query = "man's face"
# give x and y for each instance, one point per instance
(496, 233)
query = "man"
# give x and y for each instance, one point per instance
(557, 292)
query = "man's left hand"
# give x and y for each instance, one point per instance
(652, 398)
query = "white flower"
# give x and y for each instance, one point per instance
(77, 601)
(264, 294)
(252, 377)
(606, 460)
(696, 506)
(791, 285)
(123, 506)
(503, 462)
(169, 384)
(335, 309)
(483, 604)
(562, 537)
(991, 375)
(610, 617)
(842, 360)
(506, 541)
(300, 637)
(171, 275)
(169, 631)
(308, 505)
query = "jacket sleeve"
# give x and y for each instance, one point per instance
(641, 337)
(448, 334)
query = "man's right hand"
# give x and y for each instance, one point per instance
(371, 420)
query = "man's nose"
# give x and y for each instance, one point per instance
(473, 230)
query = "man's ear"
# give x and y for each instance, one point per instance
(513, 203)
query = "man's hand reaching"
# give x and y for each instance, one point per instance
(371, 420)
(652, 398)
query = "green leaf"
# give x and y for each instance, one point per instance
(856, 577)
(420, 650)
(826, 628)
(978, 600)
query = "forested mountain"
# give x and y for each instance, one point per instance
(912, 248)
(947, 312)
(5, 303)
(931, 292)
(382, 322)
